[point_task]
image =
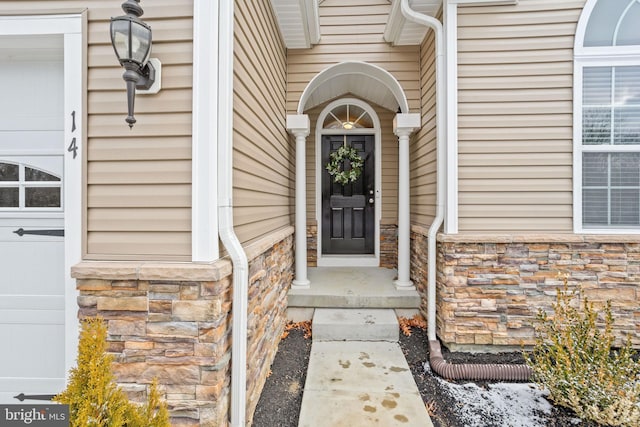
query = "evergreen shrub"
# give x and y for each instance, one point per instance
(575, 361)
(93, 397)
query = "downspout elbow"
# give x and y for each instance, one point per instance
(475, 372)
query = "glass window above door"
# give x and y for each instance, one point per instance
(347, 117)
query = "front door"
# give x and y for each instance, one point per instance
(348, 211)
(32, 252)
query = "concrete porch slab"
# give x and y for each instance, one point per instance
(353, 287)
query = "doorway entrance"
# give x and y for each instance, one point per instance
(348, 211)
(348, 215)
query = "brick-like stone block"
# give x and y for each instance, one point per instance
(197, 311)
(127, 327)
(134, 303)
(173, 329)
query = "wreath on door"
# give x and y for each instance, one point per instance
(335, 165)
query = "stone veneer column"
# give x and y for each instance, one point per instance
(299, 126)
(172, 322)
(403, 126)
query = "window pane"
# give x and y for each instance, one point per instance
(628, 33)
(42, 197)
(625, 209)
(596, 126)
(625, 170)
(595, 169)
(602, 22)
(9, 172)
(626, 126)
(627, 91)
(9, 198)
(596, 85)
(594, 207)
(31, 174)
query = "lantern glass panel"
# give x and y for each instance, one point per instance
(120, 38)
(140, 42)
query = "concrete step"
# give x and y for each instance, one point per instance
(360, 384)
(343, 324)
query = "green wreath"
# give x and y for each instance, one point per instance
(336, 160)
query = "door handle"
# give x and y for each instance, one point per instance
(21, 232)
(371, 200)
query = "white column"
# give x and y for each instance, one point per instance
(299, 126)
(403, 126)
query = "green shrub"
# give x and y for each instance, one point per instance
(574, 360)
(92, 394)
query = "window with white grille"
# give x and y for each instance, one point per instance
(607, 114)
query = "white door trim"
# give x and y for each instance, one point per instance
(349, 260)
(72, 28)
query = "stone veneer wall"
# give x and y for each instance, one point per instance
(173, 322)
(491, 287)
(388, 245)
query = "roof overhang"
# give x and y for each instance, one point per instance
(361, 79)
(400, 32)
(298, 21)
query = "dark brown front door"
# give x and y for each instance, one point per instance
(348, 211)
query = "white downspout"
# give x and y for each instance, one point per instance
(441, 146)
(225, 214)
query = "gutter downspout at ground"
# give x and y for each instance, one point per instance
(225, 215)
(436, 26)
(436, 361)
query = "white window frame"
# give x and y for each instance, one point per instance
(594, 57)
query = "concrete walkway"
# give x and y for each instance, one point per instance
(359, 383)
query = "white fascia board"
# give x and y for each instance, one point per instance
(483, 2)
(395, 23)
(204, 202)
(311, 15)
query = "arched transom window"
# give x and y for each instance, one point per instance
(348, 116)
(607, 117)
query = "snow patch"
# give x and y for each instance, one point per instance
(501, 404)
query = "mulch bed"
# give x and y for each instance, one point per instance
(281, 397)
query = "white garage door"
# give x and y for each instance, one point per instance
(32, 259)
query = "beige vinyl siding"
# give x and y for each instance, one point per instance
(389, 164)
(515, 80)
(423, 144)
(263, 159)
(353, 31)
(138, 192)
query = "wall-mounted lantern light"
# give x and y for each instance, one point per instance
(131, 40)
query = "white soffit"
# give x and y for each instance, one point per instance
(401, 32)
(298, 21)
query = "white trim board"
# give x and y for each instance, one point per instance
(451, 76)
(204, 192)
